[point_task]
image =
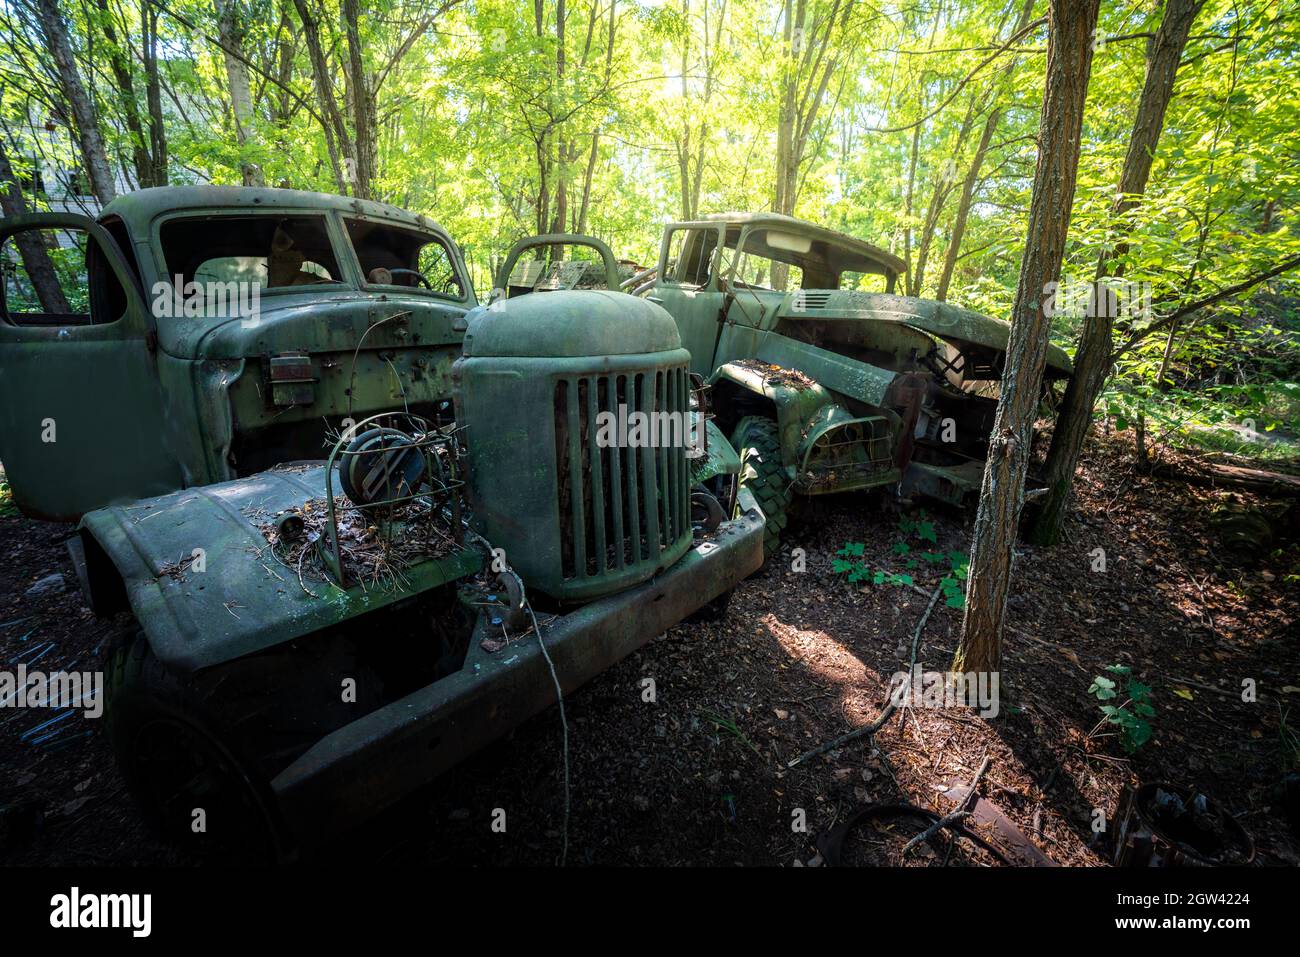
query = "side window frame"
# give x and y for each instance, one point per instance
(467, 296)
(135, 318)
(665, 248)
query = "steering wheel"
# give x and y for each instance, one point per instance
(412, 272)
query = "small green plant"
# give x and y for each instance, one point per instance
(1130, 717)
(7, 507)
(848, 562)
(723, 723)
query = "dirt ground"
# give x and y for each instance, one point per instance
(699, 775)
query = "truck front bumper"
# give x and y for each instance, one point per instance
(369, 764)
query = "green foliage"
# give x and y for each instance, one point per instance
(499, 122)
(955, 563)
(1130, 716)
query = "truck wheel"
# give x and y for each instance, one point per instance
(175, 763)
(757, 440)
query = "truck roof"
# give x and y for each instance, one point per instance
(143, 205)
(882, 257)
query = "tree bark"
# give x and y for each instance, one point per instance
(119, 63)
(964, 203)
(36, 260)
(1069, 63)
(153, 99)
(331, 119)
(91, 143)
(231, 31)
(363, 106)
(1094, 355)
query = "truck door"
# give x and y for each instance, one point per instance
(81, 414)
(688, 289)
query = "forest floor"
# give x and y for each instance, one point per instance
(700, 775)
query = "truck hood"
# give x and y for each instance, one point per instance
(940, 319)
(244, 600)
(316, 321)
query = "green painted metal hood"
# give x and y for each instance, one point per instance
(316, 322)
(570, 323)
(941, 319)
(245, 601)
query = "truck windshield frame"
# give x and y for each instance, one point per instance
(379, 245)
(291, 252)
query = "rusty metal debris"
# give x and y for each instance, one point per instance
(1164, 825)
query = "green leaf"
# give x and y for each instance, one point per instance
(1103, 688)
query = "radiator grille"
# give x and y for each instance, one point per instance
(620, 506)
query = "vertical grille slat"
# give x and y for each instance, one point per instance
(621, 506)
(616, 480)
(600, 551)
(633, 498)
(576, 478)
(649, 478)
(662, 457)
(681, 484)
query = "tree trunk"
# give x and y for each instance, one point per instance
(1069, 62)
(93, 154)
(331, 120)
(231, 32)
(153, 100)
(583, 209)
(119, 63)
(363, 106)
(964, 203)
(1093, 357)
(977, 164)
(36, 260)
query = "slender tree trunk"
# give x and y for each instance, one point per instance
(153, 99)
(363, 105)
(93, 154)
(36, 260)
(586, 184)
(1092, 360)
(977, 164)
(231, 31)
(331, 120)
(1069, 63)
(119, 63)
(907, 208)
(964, 203)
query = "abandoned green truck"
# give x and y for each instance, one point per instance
(826, 380)
(352, 516)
